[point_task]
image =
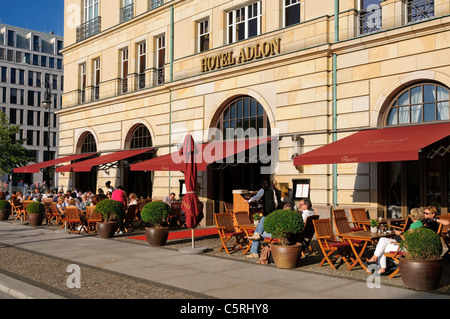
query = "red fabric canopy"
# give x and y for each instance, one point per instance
(207, 153)
(35, 168)
(379, 145)
(86, 166)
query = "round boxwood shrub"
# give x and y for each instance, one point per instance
(4, 204)
(110, 209)
(155, 213)
(284, 224)
(422, 244)
(35, 208)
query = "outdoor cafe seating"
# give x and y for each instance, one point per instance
(74, 222)
(227, 231)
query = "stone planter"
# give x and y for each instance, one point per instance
(106, 230)
(4, 214)
(35, 219)
(286, 257)
(421, 274)
(156, 236)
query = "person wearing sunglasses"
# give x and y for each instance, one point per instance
(431, 221)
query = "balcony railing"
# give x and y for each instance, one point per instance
(95, 93)
(141, 81)
(89, 29)
(420, 10)
(123, 85)
(82, 96)
(370, 19)
(156, 3)
(127, 12)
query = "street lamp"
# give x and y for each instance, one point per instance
(46, 103)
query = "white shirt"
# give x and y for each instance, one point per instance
(306, 214)
(260, 194)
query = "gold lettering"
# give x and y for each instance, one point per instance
(242, 58)
(258, 53)
(250, 53)
(276, 46)
(267, 49)
(204, 66)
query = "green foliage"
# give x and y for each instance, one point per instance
(155, 213)
(4, 204)
(373, 223)
(257, 216)
(284, 224)
(422, 244)
(110, 209)
(35, 208)
(12, 150)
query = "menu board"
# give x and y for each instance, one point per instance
(301, 188)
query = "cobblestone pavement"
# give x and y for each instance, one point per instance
(50, 274)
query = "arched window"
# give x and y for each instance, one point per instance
(243, 117)
(88, 145)
(420, 103)
(141, 138)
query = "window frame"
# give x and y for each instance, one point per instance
(232, 23)
(286, 7)
(205, 34)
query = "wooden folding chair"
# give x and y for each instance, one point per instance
(74, 221)
(25, 203)
(228, 207)
(53, 214)
(329, 244)
(395, 255)
(175, 214)
(445, 234)
(130, 216)
(359, 214)
(93, 218)
(17, 209)
(340, 214)
(307, 234)
(227, 231)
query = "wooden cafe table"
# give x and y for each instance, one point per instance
(365, 236)
(393, 221)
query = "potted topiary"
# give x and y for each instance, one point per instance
(35, 211)
(5, 209)
(285, 225)
(421, 264)
(156, 214)
(112, 211)
(373, 225)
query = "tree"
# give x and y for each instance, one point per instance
(12, 152)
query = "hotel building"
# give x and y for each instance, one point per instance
(28, 59)
(142, 73)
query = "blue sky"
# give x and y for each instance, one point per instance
(38, 15)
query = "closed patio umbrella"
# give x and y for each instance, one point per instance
(190, 203)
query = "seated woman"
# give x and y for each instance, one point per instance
(386, 244)
(60, 206)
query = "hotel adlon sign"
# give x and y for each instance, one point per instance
(246, 54)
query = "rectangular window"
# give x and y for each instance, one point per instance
(127, 10)
(30, 118)
(30, 78)
(54, 82)
(244, 23)
(12, 116)
(369, 16)
(3, 75)
(203, 36)
(44, 61)
(160, 58)
(51, 63)
(13, 76)
(142, 49)
(291, 12)
(124, 71)
(36, 43)
(13, 96)
(38, 79)
(59, 47)
(21, 77)
(83, 82)
(11, 38)
(90, 9)
(30, 135)
(30, 98)
(2, 54)
(36, 59)
(418, 10)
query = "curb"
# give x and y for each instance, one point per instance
(21, 290)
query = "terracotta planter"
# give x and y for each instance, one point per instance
(286, 257)
(157, 236)
(421, 274)
(4, 214)
(106, 230)
(35, 219)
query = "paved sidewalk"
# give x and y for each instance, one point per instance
(206, 275)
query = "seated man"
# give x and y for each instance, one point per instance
(170, 199)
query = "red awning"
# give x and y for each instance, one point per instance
(86, 166)
(380, 145)
(35, 168)
(208, 153)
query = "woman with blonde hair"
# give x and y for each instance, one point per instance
(386, 244)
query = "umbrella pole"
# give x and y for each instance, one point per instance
(192, 232)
